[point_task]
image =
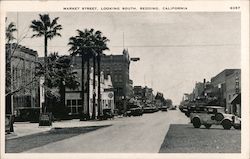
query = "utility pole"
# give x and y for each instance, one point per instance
(123, 40)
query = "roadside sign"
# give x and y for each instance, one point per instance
(45, 119)
(9, 119)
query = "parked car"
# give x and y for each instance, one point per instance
(108, 114)
(214, 115)
(164, 108)
(150, 109)
(172, 107)
(134, 110)
(183, 108)
(127, 113)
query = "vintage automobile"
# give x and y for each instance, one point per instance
(173, 107)
(150, 109)
(213, 115)
(127, 113)
(134, 110)
(164, 108)
(107, 114)
(183, 108)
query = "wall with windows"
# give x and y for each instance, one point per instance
(23, 80)
(73, 97)
(233, 89)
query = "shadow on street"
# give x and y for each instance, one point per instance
(36, 140)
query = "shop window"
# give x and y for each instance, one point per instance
(68, 102)
(79, 102)
(74, 102)
(74, 110)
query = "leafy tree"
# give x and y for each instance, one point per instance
(44, 27)
(60, 75)
(9, 37)
(11, 47)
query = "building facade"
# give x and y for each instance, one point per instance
(199, 90)
(73, 97)
(117, 66)
(21, 62)
(233, 93)
(220, 85)
(144, 94)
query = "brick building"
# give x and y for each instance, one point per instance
(220, 85)
(233, 93)
(73, 97)
(144, 94)
(22, 64)
(117, 66)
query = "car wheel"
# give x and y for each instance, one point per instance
(219, 117)
(196, 122)
(238, 127)
(208, 125)
(226, 124)
(212, 117)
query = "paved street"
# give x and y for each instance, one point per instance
(164, 132)
(131, 134)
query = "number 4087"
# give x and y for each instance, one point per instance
(235, 7)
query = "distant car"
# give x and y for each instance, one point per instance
(150, 109)
(164, 108)
(214, 115)
(172, 107)
(183, 108)
(134, 110)
(128, 113)
(108, 114)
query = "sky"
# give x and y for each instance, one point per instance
(176, 49)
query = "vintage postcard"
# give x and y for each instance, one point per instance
(124, 79)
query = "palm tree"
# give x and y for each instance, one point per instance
(89, 44)
(81, 45)
(48, 29)
(10, 29)
(100, 46)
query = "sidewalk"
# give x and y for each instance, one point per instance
(27, 128)
(201, 140)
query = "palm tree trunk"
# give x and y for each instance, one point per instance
(88, 79)
(99, 84)
(46, 71)
(94, 63)
(82, 113)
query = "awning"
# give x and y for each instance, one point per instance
(236, 99)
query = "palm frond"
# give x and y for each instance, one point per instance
(54, 22)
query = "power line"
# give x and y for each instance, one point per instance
(148, 46)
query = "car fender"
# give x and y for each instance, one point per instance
(192, 116)
(227, 118)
